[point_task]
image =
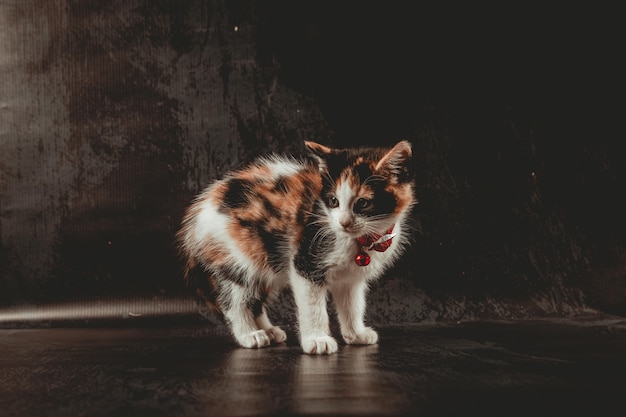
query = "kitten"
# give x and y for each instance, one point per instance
(332, 223)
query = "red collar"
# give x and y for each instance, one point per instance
(379, 243)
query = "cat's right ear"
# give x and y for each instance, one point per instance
(319, 153)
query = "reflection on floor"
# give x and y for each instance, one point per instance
(540, 367)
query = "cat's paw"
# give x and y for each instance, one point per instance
(367, 337)
(323, 345)
(276, 334)
(256, 339)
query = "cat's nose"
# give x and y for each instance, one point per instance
(346, 224)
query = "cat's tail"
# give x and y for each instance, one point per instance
(204, 286)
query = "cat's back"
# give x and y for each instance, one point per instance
(255, 212)
(272, 189)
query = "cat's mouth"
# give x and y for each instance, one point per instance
(353, 233)
(356, 232)
(352, 230)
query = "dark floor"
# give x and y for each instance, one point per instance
(541, 367)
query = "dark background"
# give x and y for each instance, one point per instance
(113, 114)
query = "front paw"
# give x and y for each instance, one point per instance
(367, 337)
(323, 345)
(276, 334)
(255, 339)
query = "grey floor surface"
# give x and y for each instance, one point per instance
(538, 367)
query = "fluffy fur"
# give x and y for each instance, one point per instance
(285, 222)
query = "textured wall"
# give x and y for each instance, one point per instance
(114, 113)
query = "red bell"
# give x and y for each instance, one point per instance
(362, 259)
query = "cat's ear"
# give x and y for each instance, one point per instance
(396, 160)
(318, 152)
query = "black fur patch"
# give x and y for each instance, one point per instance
(363, 172)
(237, 194)
(274, 244)
(311, 253)
(256, 306)
(384, 202)
(227, 275)
(273, 211)
(336, 163)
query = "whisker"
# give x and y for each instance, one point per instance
(321, 234)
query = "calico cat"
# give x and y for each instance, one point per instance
(328, 224)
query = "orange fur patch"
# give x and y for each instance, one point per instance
(273, 204)
(248, 242)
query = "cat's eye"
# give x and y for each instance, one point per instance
(362, 204)
(333, 202)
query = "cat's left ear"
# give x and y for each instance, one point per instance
(319, 153)
(395, 162)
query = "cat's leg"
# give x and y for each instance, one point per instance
(350, 303)
(310, 300)
(238, 309)
(275, 333)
